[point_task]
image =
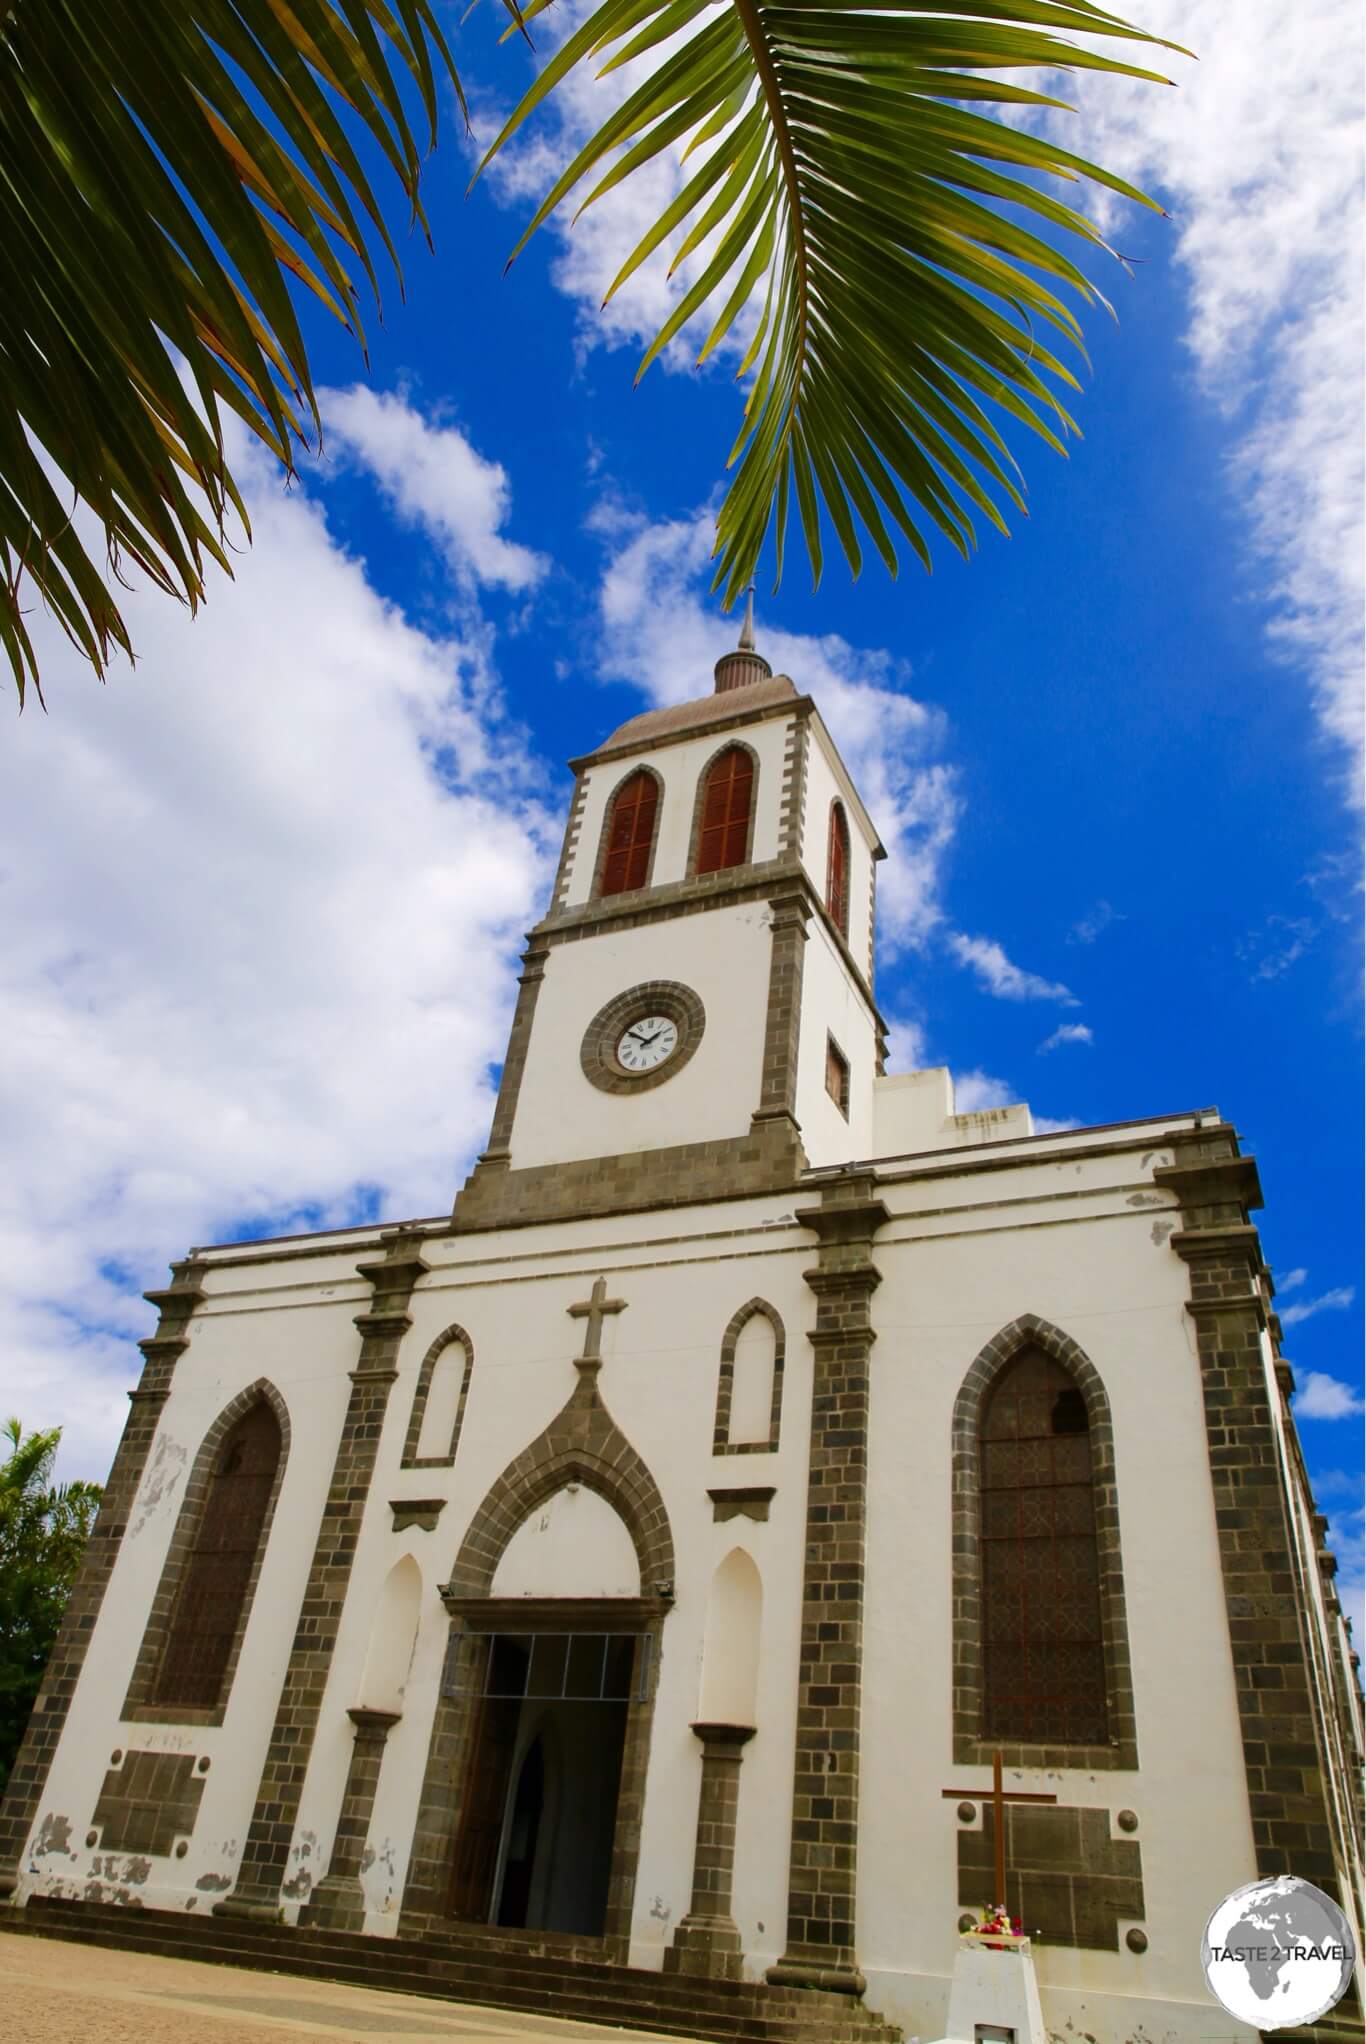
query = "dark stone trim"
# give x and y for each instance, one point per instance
(338, 1901)
(141, 1704)
(707, 1940)
(569, 849)
(261, 1874)
(420, 1512)
(582, 1444)
(147, 1802)
(28, 1778)
(791, 912)
(722, 1443)
(792, 812)
(1287, 1746)
(555, 1614)
(598, 1051)
(731, 887)
(514, 1064)
(970, 1746)
(631, 893)
(1067, 1880)
(742, 1501)
(731, 745)
(768, 1158)
(737, 718)
(823, 1866)
(449, 1337)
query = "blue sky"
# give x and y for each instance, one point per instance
(265, 892)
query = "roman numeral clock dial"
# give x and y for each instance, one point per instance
(647, 1044)
(642, 1037)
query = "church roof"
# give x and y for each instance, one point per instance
(708, 709)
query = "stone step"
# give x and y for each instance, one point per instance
(476, 1967)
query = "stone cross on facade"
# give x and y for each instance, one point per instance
(999, 1798)
(594, 1309)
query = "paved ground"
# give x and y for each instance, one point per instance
(52, 1992)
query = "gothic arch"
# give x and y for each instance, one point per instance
(700, 799)
(732, 1642)
(582, 1444)
(608, 817)
(413, 1440)
(608, 1465)
(140, 1704)
(969, 1746)
(725, 1383)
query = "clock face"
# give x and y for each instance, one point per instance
(647, 1044)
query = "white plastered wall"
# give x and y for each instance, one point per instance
(1083, 1243)
(827, 782)
(724, 956)
(292, 1325)
(679, 767)
(833, 1006)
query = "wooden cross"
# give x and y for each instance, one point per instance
(999, 1798)
(595, 1309)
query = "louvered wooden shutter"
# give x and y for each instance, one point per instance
(630, 835)
(724, 837)
(218, 1572)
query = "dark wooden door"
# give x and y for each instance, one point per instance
(485, 1801)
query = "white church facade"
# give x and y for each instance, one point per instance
(642, 1565)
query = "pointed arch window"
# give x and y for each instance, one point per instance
(221, 1566)
(837, 869)
(630, 834)
(727, 800)
(1043, 1646)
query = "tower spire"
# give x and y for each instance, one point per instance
(744, 665)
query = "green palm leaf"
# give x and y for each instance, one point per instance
(903, 238)
(165, 166)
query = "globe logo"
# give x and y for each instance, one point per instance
(1278, 1953)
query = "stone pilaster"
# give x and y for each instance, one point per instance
(1283, 1743)
(514, 1064)
(791, 912)
(823, 1867)
(161, 1352)
(338, 1901)
(264, 1859)
(707, 1940)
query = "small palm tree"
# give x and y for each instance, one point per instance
(43, 1531)
(169, 168)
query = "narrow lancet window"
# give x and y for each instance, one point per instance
(837, 871)
(727, 797)
(630, 834)
(221, 1564)
(1043, 1645)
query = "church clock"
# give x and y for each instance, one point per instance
(643, 1036)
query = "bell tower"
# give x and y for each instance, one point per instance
(696, 1016)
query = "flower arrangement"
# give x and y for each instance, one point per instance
(995, 1923)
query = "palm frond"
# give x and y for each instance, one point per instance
(165, 167)
(909, 254)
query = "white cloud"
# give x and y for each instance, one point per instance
(1327, 1302)
(1258, 153)
(1291, 1280)
(1094, 923)
(433, 478)
(663, 635)
(906, 1047)
(262, 897)
(1324, 1397)
(1006, 982)
(1049, 1125)
(1066, 1032)
(976, 1091)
